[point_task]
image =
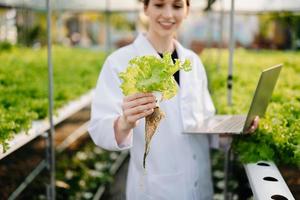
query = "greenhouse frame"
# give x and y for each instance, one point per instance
(264, 177)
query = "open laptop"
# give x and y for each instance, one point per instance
(237, 124)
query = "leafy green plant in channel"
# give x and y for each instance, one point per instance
(24, 84)
(278, 136)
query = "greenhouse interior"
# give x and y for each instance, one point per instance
(51, 55)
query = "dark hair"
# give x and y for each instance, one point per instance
(146, 2)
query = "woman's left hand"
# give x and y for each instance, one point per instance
(252, 128)
(254, 125)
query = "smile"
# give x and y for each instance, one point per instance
(166, 25)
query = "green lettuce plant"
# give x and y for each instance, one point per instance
(150, 73)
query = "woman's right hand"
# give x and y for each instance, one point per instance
(135, 107)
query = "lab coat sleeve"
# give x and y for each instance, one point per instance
(106, 108)
(209, 108)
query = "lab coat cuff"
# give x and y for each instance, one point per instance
(103, 134)
(126, 143)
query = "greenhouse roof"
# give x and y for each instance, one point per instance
(76, 5)
(81, 5)
(256, 6)
(250, 6)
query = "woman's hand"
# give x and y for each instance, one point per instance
(226, 138)
(135, 107)
(254, 125)
(252, 128)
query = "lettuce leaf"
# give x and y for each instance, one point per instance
(150, 73)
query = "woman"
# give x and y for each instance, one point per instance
(178, 165)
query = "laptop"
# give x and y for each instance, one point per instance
(239, 124)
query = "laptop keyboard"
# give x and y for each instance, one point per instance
(233, 124)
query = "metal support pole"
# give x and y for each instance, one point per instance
(227, 152)
(221, 35)
(107, 26)
(210, 29)
(229, 98)
(59, 26)
(2, 21)
(6, 27)
(231, 51)
(51, 157)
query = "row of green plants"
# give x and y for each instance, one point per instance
(278, 136)
(24, 84)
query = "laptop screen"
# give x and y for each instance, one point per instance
(263, 93)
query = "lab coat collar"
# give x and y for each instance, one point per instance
(144, 47)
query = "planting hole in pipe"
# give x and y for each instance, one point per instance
(263, 164)
(278, 197)
(268, 178)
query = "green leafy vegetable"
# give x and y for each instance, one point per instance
(150, 73)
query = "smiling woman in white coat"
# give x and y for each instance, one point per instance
(178, 165)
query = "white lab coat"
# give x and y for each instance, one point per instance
(178, 164)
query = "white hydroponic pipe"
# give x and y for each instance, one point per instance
(266, 181)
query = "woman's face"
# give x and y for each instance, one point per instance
(165, 16)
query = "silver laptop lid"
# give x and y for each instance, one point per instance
(263, 93)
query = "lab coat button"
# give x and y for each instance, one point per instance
(194, 157)
(196, 183)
